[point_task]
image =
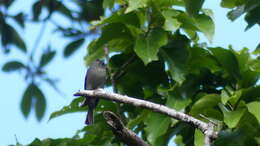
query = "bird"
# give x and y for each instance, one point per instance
(95, 78)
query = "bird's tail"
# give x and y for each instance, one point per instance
(90, 117)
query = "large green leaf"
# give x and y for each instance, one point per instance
(148, 47)
(206, 25)
(227, 60)
(193, 6)
(200, 58)
(176, 56)
(13, 66)
(252, 17)
(205, 104)
(201, 22)
(120, 17)
(72, 47)
(153, 122)
(135, 4)
(254, 108)
(198, 138)
(228, 138)
(110, 32)
(73, 107)
(231, 118)
(171, 23)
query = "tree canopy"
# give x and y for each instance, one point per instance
(154, 53)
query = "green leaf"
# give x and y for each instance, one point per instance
(33, 93)
(140, 118)
(227, 60)
(171, 23)
(64, 10)
(40, 105)
(252, 17)
(148, 47)
(108, 4)
(193, 6)
(235, 13)
(47, 57)
(201, 58)
(71, 108)
(177, 103)
(153, 122)
(36, 10)
(200, 22)
(228, 138)
(27, 98)
(19, 18)
(72, 47)
(206, 25)
(198, 138)
(228, 3)
(110, 32)
(10, 36)
(176, 56)
(13, 66)
(204, 104)
(231, 118)
(135, 4)
(254, 108)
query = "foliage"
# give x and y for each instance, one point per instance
(170, 67)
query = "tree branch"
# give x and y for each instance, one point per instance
(206, 128)
(121, 132)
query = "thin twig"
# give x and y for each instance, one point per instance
(111, 77)
(38, 39)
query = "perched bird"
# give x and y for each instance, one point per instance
(94, 79)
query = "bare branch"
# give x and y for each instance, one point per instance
(121, 132)
(206, 128)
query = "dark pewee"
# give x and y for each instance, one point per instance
(94, 79)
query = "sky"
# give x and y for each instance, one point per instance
(71, 74)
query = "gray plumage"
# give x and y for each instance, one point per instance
(94, 79)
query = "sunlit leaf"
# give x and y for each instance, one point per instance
(73, 107)
(148, 47)
(198, 138)
(254, 108)
(135, 4)
(231, 118)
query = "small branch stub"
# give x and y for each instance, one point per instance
(121, 132)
